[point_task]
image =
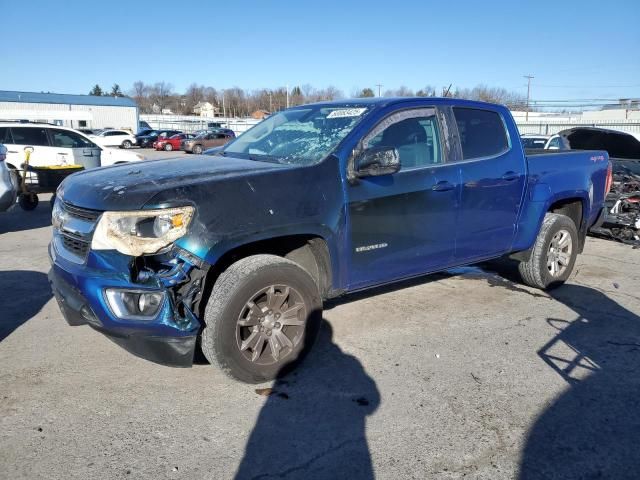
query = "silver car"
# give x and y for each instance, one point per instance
(8, 183)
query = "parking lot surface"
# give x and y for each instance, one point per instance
(462, 374)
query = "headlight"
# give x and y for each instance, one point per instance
(57, 213)
(134, 304)
(140, 232)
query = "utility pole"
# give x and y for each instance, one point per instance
(379, 87)
(270, 103)
(224, 110)
(287, 95)
(528, 77)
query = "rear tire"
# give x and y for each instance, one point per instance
(553, 255)
(197, 149)
(263, 316)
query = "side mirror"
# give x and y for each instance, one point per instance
(377, 161)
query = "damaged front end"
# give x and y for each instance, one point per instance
(622, 219)
(145, 302)
(180, 275)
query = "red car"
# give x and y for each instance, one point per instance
(173, 142)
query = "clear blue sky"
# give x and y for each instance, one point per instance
(575, 49)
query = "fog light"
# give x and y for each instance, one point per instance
(89, 316)
(134, 304)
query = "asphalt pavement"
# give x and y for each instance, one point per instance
(462, 374)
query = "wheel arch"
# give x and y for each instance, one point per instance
(572, 206)
(576, 209)
(310, 251)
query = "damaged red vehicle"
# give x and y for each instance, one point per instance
(173, 142)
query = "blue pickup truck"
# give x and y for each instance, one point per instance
(239, 249)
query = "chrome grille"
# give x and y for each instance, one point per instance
(84, 213)
(73, 239)
(75, 245)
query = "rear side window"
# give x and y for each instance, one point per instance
(482, 133)
(5, 135)
(30, 136)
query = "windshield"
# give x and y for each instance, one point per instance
(300, 136)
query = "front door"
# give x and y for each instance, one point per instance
(404, 224)
(78, 149)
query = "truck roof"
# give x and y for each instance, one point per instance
(383, 101)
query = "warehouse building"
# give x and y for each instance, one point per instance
(75, 111)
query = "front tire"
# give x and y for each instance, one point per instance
(263, 315)
(168, 147)
(553, 255)
(197, 149)
(127, 144)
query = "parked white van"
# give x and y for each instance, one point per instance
(53, 145)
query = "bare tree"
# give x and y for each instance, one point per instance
(161, 94)
(492, 95)
(240, 102)
(195, 94)
(140, 93)
(427, 91)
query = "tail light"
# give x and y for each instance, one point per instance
(609, 183)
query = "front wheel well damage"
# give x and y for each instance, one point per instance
(311, 252)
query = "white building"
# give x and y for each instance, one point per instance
(205, 109)
(76, 111)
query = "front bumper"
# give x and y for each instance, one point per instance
(167, 339)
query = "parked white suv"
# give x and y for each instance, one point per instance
(114, 138)
(53, 145)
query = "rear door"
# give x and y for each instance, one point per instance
(13, 155)
(404, 224)
(493, 175)
(42, 155)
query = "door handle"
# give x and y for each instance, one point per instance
(443, 186)
(12, 151)
(510, 176)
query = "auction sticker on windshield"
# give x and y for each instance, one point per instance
(346, 112)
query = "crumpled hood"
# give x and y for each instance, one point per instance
(130, 186)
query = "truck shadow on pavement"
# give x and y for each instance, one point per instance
(24, 293)
(592, 430)
(17, 220)
(313, 423)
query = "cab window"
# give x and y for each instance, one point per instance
(413, 133)
(482, 132)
